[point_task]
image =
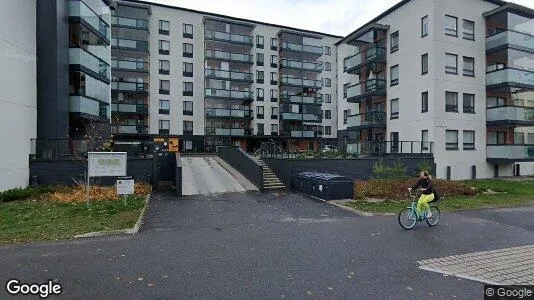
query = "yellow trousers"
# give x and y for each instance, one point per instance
(422, 204)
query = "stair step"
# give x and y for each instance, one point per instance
(272, 183)
(274, 187)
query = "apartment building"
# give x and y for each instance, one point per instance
(455, 75)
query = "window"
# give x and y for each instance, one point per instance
(261, 129)
(164, 126)
(259, 41)
(469, 140)
(469, 103)
(274, 96)
(274, 113)
(394, 137)
(451, 64)
(328, 114)
(260, 59)
(274, 78)
(188, 69)
(394, 109)
(164, 47)
(394, 75)
(495, 101)
(164, 107)
(451, 102)
(424, 26)
(188, 31)
(259, 94)
(424, 64)
(188, 127)
(496, 138)
(188, 108)
(164, 27)
(327, 98)
(260, 112)
(274, 61)
(469, 30)
(469, 66)
(188, 50)
(451, 25)
(328, 130)
(327, 66)
(274, 44)
(327, 50)
(327, 82)
(164, 67)
(188, 145)
(424, 102)
(424, 140)
(451, 142)
(188, 89)
(164, 87)
(259, 77)
(345, 115)
(274, 129)
(394, 44)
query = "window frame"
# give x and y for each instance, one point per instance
(470, 146)
(394, 48)
(274, 61)
(187, 131)
(262, 132)
(423, 142)
(161, 85)
(163, 31)
(163, 71)
(446, 29)
(327, 50)
(327, 66)
(424, 102)
(185, 33)
(394, 115)
(448, 71)
(327, 130)
(423, 70)
(258, 44)
(184, 71)
(163, 111)
(161, 50)
(188, 54)
(186, 92)
(258, 115)
(451, 146)
(424, 31)
(162, 129)
(258, 97)
(468, 34)
(393, 82)
(273, 80)
(464, 69)
(328, 82)
(260, 62)
(447, 106)
(258, 79)
(275, 45)
(468, 111)
(274, 114)
(274, 95)
(186, 112)
(328, 114)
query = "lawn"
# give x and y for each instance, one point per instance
(25, 221)
(509, 193)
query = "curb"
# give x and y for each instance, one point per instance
(129, 231)
(353, 210)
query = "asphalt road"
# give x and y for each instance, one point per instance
(264, 246)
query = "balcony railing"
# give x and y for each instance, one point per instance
(81, 10)
(129, 86)
(130, 65)
(302, 99)
(228, 94)
(64, 149)
(288, 80)
(381, 148)
(304, 134)
(229, 56)
(228, 113)
(222, 74)
(510, 115)
(129, 23)
(372, 87)
(510, 152)
(305, 65)
(141, 109)
(370, 119)
(226, 131)
(288, 116)
(130, 129)
(228, 37)
(372, 55)
(510, 76)
(288, 46)
(87, 106)
(508, 38)
(130, 44)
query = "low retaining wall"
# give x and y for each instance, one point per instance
(243, 163)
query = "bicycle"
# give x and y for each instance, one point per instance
(409, 216)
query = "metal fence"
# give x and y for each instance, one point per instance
(64, 149)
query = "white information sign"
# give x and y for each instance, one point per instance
(125, 186)
(105, 164)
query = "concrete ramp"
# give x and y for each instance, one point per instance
(204, 175)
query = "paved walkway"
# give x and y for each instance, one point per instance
(204, 175)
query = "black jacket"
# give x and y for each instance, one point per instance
(425, 184)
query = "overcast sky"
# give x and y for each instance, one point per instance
(339, 17)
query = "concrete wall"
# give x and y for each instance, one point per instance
(18, 90)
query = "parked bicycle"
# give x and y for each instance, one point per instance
(409, 216)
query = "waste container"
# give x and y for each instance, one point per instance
(324, 186)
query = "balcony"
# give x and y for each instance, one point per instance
(98, 67)
(302, 65)
(294, 81)
(130, 86)
(303, 134)
(374, 55)
(228, 113)
(130, 44)
(510, 153)
(370, 88)
(133, 109)
(130, 129)
(89, 107)
(129, 23)
(225, 131)
(510, 77)
(229, 56)
(509, 38)
(127, 65)
(315, 50)
(228, 37)
(513, 115)
(288, 116)
(79, 9)
(367, 120)
(228, 75)
(302, 99)
(228, 94)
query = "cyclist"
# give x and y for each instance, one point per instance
(427, 188)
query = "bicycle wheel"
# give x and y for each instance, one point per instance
(433, 221)
(407, 218)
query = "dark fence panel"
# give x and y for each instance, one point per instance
(243, 163)
(178, 176)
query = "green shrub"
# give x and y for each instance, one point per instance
(23, 193)
(381, 171)
(424, 165)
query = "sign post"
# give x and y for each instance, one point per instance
(104, 164)
(125, 186)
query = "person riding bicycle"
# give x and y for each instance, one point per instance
(427, 189)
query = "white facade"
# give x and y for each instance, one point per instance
(18, 90)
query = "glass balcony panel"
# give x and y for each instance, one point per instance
(79, 104)
(230, 37)
(247, 58)
(512, 113)
(372, 87)
(130, 108)
(373, 54)
(130, 86)
(129, 65)
(78, 56)
(80, 9)
(228, 94)
(510, 38)
(131, 129)
(310, 118)
(510, 151)
(367, 119)
(130, 44)
(510, 76)
(292, 116)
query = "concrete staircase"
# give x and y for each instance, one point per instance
(270, 180)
